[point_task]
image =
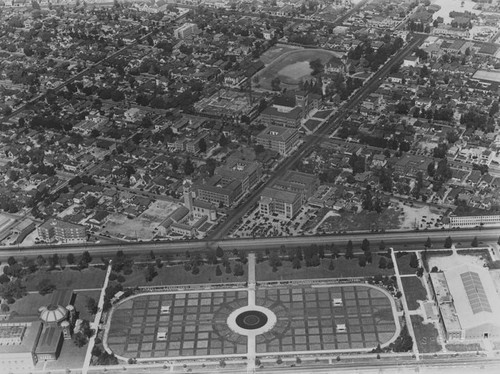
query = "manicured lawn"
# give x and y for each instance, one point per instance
(343, 268)
(388, 219)
(29, 304)
(81, 303)
(414, 290)
(68, 278)
(426, 335)
(404, 265)
(177, 275)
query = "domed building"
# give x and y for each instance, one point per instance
(53, 313)
(23, 342)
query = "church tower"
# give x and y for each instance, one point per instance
(188, 196)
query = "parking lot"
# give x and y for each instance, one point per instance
(257, 225)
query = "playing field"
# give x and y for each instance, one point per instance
(292, 66)
(308, 318)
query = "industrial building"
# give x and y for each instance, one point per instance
(468, 303)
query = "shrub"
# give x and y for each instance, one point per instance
(113, 276)
(45, 287)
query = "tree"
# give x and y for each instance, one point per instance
(349, 250)
(238, 270)
(381, 246)
(296, 264)
(202, 144)
(150, 273)
(428, 243)
(218, 271)
(11, 261)
(414, 260)
(70, 258)
(223, 141)
(80, 339)
(276, 84)
(4, 278)
(45, 286)
(420, 272)
(382, 263)
(40, 261)
(404, 341)
(228, 268)
(362, 260)
(188, 167)
(448, 242)
(219, 252)
(53, 261)
(316, 66)
(474, 242)
(196, 270)
(92, 305)
(86, 258)
(365, 245)
(331, 267)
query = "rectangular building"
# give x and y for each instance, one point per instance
(247, 172)
(218, 190)
(18, 342)
(186, 31)
(65, 232)
(279, 139)
(473, 221)
(301, 183)
(283, 204)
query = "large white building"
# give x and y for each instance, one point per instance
(473, 221)
(186, 31)
(468, 303)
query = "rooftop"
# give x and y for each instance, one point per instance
(29, 338)
(277, 194)
(52, 222)
(474, 295)
(277, 133)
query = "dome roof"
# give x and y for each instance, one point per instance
(53, 313)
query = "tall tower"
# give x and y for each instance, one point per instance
(188, 196)
(66, 329)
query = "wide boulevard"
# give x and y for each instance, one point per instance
(398, 240)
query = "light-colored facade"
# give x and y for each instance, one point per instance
(279, 139)
(283, 204)
(473, 221)
(468, 303)
(65, 232)
(186, 31)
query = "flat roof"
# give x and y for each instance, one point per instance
(470, 286)
(29, 339)
(277, 133)
(49, 339)
(487, 75)
(277, 194)
(52, 222)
